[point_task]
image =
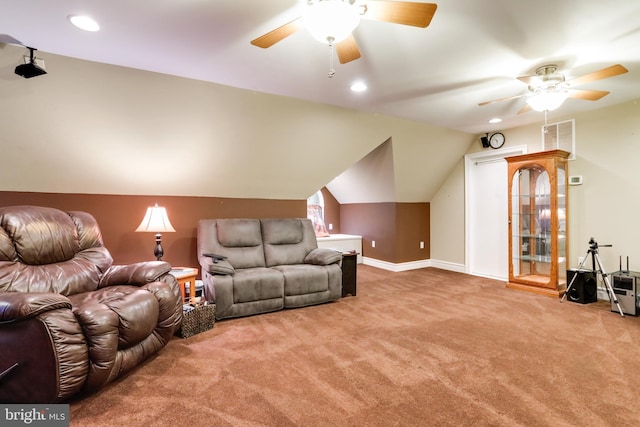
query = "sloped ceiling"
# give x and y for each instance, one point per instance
(370, 180)
(396, 171)
(471, 52)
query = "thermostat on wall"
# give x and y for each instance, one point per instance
(575, 180)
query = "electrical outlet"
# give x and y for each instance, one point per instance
(330, 227)
(580, 260)
(373, 243)
(421, 245)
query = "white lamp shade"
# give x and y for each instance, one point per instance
(156, 220)
(331, 21)
(547, 99)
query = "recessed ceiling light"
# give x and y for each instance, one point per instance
(495, 120)
(84, 22)
(358, 87)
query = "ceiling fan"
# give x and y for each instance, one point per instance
(548, 88)
(332, 22)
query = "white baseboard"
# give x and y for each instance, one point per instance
(404, 266)
(602, 294)
(413, 265)
(446, 265)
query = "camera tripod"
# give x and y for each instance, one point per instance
(595, 260)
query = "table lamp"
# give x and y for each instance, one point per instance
(157, 221)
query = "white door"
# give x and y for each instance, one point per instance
(486, 213)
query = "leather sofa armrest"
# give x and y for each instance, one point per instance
(323, 256)
(216, 266)
(43, 356)
(100, 326)
(139, 273)
(18, 305)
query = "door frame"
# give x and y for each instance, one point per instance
(470, 160)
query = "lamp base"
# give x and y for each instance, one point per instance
(158, 251)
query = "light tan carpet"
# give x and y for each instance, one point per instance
(426, 347)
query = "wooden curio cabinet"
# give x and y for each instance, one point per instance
(538, 222)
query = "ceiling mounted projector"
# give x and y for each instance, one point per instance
(30, 69)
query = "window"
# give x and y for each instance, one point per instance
(315, 212)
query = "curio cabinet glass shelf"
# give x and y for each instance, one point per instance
(538, 222)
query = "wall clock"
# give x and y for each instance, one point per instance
(496, 140)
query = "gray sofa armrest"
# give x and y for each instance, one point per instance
(213, 266)
(323, 256)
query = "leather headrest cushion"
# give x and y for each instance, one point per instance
(39, 235)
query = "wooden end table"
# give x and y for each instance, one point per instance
(186, 275)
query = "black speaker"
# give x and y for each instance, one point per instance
(485, 141)
(584, 288)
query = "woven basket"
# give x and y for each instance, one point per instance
(199, 319)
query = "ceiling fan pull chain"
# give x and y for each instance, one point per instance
(332, 72)
(545, 119)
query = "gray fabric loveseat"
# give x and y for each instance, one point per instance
(268, 265)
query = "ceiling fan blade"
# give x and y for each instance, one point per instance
(273, 37)
(587, 95)
(525, 109)
(530, 80)
(501, 99)
(605, 73)
(347, 50)
(401, 12)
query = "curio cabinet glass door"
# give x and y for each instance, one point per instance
(538, 222)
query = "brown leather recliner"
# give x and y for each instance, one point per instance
(70, 321)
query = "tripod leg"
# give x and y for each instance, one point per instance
(612, 294)
(574, 277)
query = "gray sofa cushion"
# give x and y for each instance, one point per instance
(282, 231)
(302, 279)
(239, 233)
(287, 241)
(221, 290)
(256, 284)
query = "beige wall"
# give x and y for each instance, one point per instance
(93, 128)
(447, 219)
(606, 206)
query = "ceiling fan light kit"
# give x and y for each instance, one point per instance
(547, 99)
(331, 21)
